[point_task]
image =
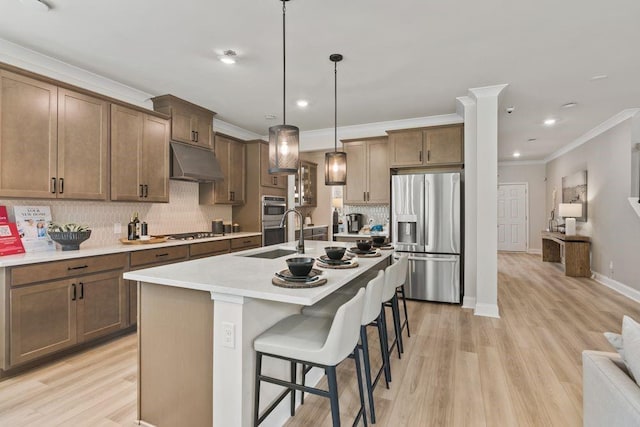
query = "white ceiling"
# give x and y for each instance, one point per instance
(403, 59)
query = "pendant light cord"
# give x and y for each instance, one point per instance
(335, 128)
(284, 65)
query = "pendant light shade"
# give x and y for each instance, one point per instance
(284, 139)
(283, 149)
(335, 163)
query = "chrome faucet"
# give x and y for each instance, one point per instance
(300, 246)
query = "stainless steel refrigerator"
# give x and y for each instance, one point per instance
(425, 216)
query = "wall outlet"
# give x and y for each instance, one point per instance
(117, 228)
(228, 334)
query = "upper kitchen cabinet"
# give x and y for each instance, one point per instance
(367, 171)
(190, 123)
(53, 141)
(230, 152)
(139, 156)
(434, 146)
(306, 190)
(267, 179)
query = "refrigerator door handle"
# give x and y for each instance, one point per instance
(429, 258)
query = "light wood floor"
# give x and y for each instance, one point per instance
(457, 370)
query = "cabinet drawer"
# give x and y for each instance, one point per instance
(245, 243)
(197, 250)
(159, 256)
(60, 269)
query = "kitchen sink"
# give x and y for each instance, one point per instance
(273, 254)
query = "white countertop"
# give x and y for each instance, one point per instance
(58, 255)
(237, 275)
(307, 227)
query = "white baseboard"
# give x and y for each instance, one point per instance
(487, 310)
(469, 302)
(534, 251)
(621, 288)
(281, 413)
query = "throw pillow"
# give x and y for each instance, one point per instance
(616, 341)
(631, 341)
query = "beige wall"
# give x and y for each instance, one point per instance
(612, 224)
(534, 176)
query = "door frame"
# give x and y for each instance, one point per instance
(526, 210)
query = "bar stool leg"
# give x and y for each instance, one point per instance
(293, 390)
(333, 395)
(304, 377)
(363, 410)
(367, 370)
(384, 342)
(396, 323)
(256, 393)
(406, 313)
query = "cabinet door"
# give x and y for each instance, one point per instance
(444, 145)
(43, 319)
(28, 136)
(266, 179)
(101, 304)
(354, 191)
(181, 129)
(236, 171)
(155, 159)
(82, 146)
(203, 127)
(126, 143)
(406, 148)
(222, 189)
(378, 179)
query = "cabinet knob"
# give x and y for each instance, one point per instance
(420, 156)
(81, 290)
(141, 190)
(73, 292)
(61, 185)
(53, 185)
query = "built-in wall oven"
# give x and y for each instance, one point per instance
(273, 207)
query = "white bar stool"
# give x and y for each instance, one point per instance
(328, 306)
(392, 275)
(316, 341)
(404, 260)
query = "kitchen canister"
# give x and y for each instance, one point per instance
(227, 228)
(236, 228)
(217, 227)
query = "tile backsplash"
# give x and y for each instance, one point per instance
(379, 213)
(183, 214)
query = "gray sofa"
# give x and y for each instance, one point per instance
(610, 396)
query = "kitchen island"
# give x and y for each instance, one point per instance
(197, 322)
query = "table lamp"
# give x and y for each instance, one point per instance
(570, 211)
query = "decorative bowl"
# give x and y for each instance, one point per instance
(335, 252)
(379, 240)
(69, 240)
(364, 245)
(300, 266)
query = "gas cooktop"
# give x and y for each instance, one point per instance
(192, 236)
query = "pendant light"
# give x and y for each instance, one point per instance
(335, 163)
(283, 139)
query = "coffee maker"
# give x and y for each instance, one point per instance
(355, 221)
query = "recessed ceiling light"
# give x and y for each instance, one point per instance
(569, 105)
(532, 139)
(550, 122)
(302, 103)
(38, 4)
(599, 77)
(516, 154)
(228, 57)
(270, 116)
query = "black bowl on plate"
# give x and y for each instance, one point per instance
(335, 252)
(379, 240)
(300, 266)
(364, 245)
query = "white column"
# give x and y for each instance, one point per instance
(466, 108)
(486, 99)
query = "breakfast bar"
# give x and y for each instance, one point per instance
(197, 322)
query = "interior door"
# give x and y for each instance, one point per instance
(512, 217)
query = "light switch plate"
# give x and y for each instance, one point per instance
(229, 334)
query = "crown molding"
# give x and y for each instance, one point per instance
(322, 139)
(601, 128)
(19, 56)
(521, 163)
(235, 131)
(487, 91)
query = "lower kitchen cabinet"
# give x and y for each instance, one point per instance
(242, 243)
(52, 316)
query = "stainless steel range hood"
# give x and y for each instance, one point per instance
(189, 163)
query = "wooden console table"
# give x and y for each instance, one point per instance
(576, 252)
